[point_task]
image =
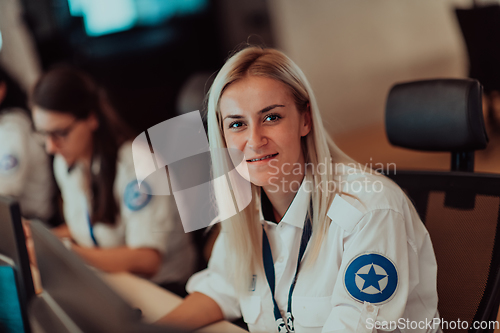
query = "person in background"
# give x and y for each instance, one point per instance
(482, 37)
(113, 224)
(491, 112)
(25, 172)
(322, 246)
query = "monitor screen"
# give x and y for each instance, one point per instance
(111, 16)
(13, 251)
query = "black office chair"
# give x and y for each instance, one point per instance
(460, 208)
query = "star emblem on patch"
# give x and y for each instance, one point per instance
(371, 282)
(371, 277)
(8, 163)
(134, 198)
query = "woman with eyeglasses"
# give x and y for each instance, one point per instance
(25, 172)
(113, 224)
(325, 245)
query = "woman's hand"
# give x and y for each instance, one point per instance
(143, 261)
(61, 231)
(30, 247)
(29, 241)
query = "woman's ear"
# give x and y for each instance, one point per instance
(92, 121)
(306, 121)
(3, 91)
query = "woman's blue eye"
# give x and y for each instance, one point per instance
(272, 117)
(235, 124)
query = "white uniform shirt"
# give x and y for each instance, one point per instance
(149, 221)
(331, 295)
(25, 172)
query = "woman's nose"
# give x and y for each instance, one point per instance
(50, 145)
(257, 139)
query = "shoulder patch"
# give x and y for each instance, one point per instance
(371, 277)
(134, 198)
(8, 163)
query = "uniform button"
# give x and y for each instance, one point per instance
(369, 308)
(280, 259)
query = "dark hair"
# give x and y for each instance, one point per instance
(15, 98)
(70, 91)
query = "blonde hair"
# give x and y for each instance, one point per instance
(243, 231)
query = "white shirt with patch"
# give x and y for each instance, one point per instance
(25, 172)
(145, 221)
(376, 265)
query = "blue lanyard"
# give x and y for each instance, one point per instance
(267, 257)
(92, 230)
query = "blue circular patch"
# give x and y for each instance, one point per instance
(8, 163)
(134, 198)
(371, 277)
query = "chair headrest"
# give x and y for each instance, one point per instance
(436, 115)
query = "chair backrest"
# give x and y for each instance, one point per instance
(462, 214)
(461, 209)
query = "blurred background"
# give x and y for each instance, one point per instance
(155, 57)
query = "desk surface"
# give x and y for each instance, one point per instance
(155, 302)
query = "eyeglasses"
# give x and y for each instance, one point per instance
(58, 135)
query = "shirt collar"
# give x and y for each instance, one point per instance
(296, 213)
(71, 167)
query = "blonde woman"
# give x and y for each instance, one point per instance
(323, 246)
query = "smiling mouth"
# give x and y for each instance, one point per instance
(262, 158)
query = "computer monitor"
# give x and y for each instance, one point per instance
(12, 314)
(15, 261)
(79, 293)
